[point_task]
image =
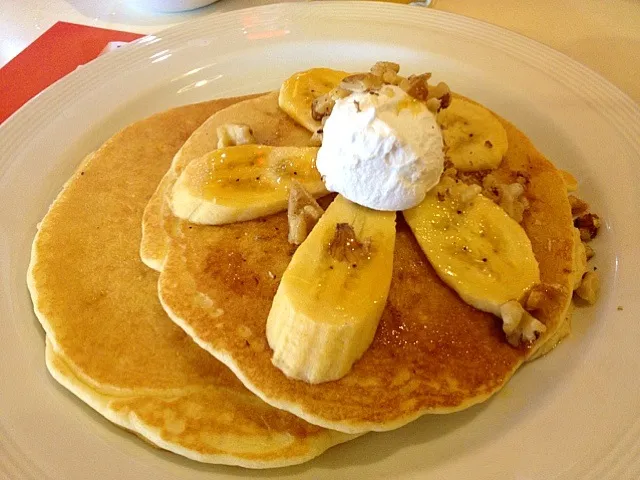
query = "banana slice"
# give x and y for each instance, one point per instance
(244, 182)
(475, 248)
(474, 138)
(329, 302)
(300, 90)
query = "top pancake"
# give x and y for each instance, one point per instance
(270, 127)
(432, 353)
(110, 341)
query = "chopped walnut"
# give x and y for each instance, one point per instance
(439, 91)
(569, 180)
(345, 246)
(589, 287)
(523, 178)
(322, 106)
(510, 196)
(391, 78)
(588, 224)
(513, 201)
(465, 193)
(388, 72)
(456, 190)
(303, 213)
(590, 252)
(381, 67)
(361, 82)
(543, 293)
(382, 73)
(433, 105)
(518, 324)
(578, 207)
(535, 300)
(450, 170)
(445, 101)
(439, 96)
(232, 134)
(490, 187)
(339, 92)
(417, 86)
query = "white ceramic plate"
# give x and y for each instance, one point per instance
(572, 415)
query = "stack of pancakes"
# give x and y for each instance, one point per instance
(162, 328)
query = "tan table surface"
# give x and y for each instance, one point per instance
(601, 34)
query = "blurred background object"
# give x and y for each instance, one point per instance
(171, 6)
(605, 36)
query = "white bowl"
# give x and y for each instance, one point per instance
(171, 5)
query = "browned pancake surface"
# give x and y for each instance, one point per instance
(270, 126)
(431, 353)
(111, 343)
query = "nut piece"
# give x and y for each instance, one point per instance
(339, 92)
(388, 72)
(510, 196)
(439, 91)
(465, 193)
(456, 190)
(361, 82)
(518, 324)
(535, 300)
(417, 86)
(433, 104)
(588, 224)
(450, 170)
(578, 207)
(589, 288)
(345, 246)
(303, 213)
(590, 252)
(381, 67)
(543, 293)
(439, 96)
(383, 73)
(232, 134)
(322, 106)
(513, 200)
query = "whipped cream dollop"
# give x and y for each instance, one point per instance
(382, 150)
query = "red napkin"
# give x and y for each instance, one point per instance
(57, 52)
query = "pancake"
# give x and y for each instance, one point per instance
(270, 126)
(432, 353)
(110, 342)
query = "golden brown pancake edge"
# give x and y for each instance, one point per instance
(432, 353)
(109, 336)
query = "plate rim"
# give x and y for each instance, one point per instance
(54, 94)
(131, 52)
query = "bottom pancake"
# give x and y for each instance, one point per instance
(432, 353)
(111, 343)
(206, 424)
